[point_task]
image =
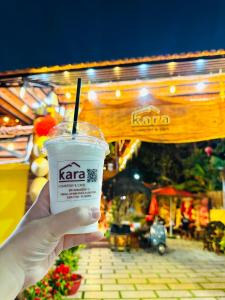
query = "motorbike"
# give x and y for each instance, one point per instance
(157, 237)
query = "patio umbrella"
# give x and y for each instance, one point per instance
(170, 192)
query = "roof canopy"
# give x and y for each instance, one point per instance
(174, 98)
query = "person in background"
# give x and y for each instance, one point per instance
(31, 250)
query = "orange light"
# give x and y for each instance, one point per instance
(172, 89)
(118, 93)
(172, 66)
(66, 74)
(68, 95)
(6, 119)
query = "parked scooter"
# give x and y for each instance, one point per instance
(157, 236)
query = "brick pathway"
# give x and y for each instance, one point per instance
(185, 272)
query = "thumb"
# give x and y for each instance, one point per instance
(65, 221)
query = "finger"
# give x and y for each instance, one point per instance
(60, 224)
(72, 240)
(41, 207)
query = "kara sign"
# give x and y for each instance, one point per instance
(71, 172)
(149, 116)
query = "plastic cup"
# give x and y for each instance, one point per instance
(76, 168)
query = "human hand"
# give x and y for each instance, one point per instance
(40, 237)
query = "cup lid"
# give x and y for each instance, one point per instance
(85, 132)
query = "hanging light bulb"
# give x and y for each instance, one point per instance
(172, 66)
(172, 89)
(68, 95)
(92, 96)
(91, 72)
(143, 92)
(200, 86)
(118, 93)
(6, 119)
(117, 70)
(143, 67)
(66, 74)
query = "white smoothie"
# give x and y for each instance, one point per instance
(76, 169)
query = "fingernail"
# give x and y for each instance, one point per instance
(95, 212)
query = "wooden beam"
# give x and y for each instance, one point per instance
(15, 101)
(15, 112)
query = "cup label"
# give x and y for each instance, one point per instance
(78, 180)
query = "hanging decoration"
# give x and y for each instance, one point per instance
(38, 149)
(39, 166)
(43, 125)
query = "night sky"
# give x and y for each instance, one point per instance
(50, 32)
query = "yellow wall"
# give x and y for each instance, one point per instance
(13, 188)
(217, 215)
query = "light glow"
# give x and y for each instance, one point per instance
(91, 72)
(68, 95)
(172, 66)
(6, 119)
(118, 93)
(92, 96)
(143, 92)
(172, 89)
(66, 74)
(200, 86)
(200, 63)
(136, 176)
(143, 67)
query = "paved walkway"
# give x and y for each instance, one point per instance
(185, 272)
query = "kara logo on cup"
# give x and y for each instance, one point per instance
(71, 172)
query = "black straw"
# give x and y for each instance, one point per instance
(76, 110)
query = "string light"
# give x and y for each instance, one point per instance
(68, 95)
(92, 96)
(22, 92)
(117, 70)
(200, 62)
(91, 72)
(11, 147)
(6, 119)
(172, 66)
(172, 89)
(24, 108)
(143, 67)
(143, 92)
(66, 74)
(200, 86)
(118, 93)
(17, 120)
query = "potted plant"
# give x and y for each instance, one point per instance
(60, 280)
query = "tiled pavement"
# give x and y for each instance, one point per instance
(185, 272)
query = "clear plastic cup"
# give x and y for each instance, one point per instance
(76, 168)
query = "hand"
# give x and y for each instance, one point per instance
(40, 237)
